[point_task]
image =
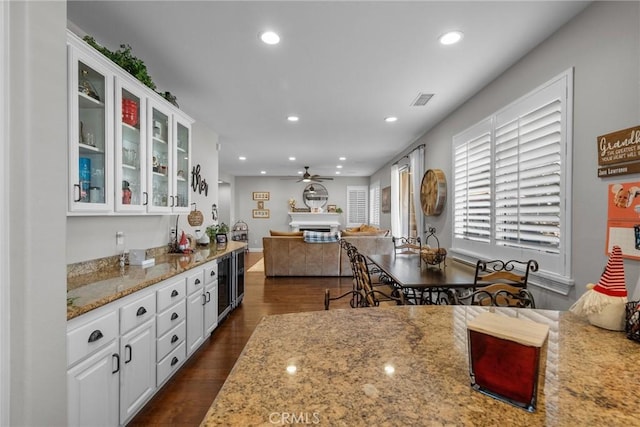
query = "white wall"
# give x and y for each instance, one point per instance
(281, 190)
(37, 185)
(603, 46)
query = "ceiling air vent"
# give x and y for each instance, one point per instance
(422, 99)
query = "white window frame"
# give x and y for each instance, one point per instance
(355, 219)
(374, 204)
(5, 330)
(555, 269)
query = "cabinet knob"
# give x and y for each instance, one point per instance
(213, 273)
(141, 311)
(174, 316)
(174, 293)
(174, 339)
(95, 335)
(197, 282)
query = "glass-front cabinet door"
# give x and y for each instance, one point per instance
(159, 157)
(182, 164)
(130, 152)
(90, 133)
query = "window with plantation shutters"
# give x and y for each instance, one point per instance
(472, 184)
(357, 204)
(511, 181)
(374, 204)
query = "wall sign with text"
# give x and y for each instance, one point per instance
(619, 152)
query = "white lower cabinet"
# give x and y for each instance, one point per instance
(195, 323)
(92, 387)
(138, 369)
(119, 355)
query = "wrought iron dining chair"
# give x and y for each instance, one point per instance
(512, 272)
(498, 295)
(501, 283)
(406, 245)
(364, 294)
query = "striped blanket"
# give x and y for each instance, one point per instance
(321, 236)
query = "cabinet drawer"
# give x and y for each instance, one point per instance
(137, 312)
(170, 364)
(171, 317)
(195, 282)
(91, 336)
(170, 294)
(210, 273)
(171, 340)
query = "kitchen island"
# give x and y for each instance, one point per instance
(409, 366)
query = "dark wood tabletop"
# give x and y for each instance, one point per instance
(409, 271)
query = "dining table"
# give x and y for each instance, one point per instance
(425, 283)
(409, 366)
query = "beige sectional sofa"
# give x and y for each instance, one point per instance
(291, 256)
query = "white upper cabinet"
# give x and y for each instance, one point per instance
(90, 134)
(129, 149)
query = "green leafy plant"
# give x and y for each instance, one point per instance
(338, 210)
(212, 230)
(125, 59)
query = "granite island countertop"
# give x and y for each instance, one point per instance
(398, 366)
(101, 286)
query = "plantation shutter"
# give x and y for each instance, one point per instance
(374, 204)
(527, 173)
(472, 184)
(356, 205)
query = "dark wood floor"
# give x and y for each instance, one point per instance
(186, 398)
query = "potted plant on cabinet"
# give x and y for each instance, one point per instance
(218, 233)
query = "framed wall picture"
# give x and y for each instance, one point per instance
(221, 240)
(385, 201)
(260, 195)
(260, 213)
(331, 208)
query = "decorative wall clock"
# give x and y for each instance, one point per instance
(433, 192)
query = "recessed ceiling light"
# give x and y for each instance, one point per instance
(339, 166)
(242, 158)
(292, 158)
(342, 159)
(452, 37)
(293, 118)
(390, 119)
(337, 172)
(263, 172)
(269, 37)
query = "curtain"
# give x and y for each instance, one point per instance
(416, 162)
(395, 201)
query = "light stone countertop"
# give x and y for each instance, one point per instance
(400, 366)
(97, 288)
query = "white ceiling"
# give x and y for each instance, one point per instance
(341, 66)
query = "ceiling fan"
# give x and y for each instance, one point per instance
(307, 177)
